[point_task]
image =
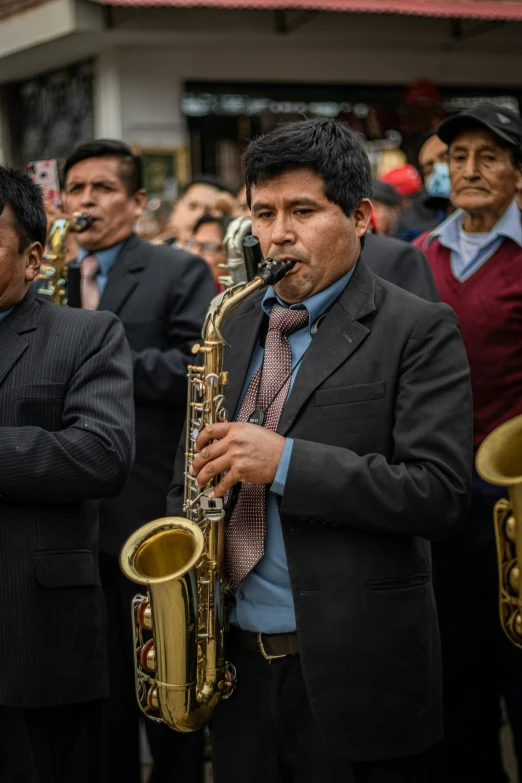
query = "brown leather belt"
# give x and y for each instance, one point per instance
(270, 646)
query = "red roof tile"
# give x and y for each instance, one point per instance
(501, 10)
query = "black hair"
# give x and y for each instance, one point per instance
(324, 146)
(207, 179)
(130, 168)
(25, 199)
(222, 222)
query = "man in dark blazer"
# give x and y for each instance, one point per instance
(66, 439)
(401, 264)
(327, 545)
(161, 296)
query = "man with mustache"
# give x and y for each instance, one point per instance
(161, 296)
(476, 258)
(360, 455)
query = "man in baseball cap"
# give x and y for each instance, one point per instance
(476, 258)
(503, 123)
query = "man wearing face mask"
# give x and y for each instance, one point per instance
(429, 207)
(476, 258)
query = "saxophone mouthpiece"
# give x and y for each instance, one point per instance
(82, 221)
(274, 269)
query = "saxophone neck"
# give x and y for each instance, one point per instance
(269, 273)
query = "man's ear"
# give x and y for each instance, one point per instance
(33, 260)
(140, 199)
(362, 216)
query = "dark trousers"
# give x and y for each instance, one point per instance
(177, 757)
(52, 744)
(266, 732)
(480, 664)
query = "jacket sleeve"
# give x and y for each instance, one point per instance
(160, 375)
(92, 455)
(424, 488)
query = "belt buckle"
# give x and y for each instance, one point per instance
(263, 652)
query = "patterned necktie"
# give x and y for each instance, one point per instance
(246, 530)
(90, 293)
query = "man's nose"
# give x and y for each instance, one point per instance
(87, 197)
(471, 170)
(282, 230)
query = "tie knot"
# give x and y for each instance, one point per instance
(286, 321)
(89, 267)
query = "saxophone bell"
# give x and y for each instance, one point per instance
(499, 462)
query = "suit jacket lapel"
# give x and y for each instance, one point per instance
(125, 274)
(242, 336)
(337, 339)
(12, 344)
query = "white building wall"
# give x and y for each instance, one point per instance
(145, 55)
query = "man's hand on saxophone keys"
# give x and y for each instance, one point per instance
(247, 453)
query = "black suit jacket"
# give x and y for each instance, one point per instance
(400, 263)
(380, 414)
(66, 421)
(161, 296)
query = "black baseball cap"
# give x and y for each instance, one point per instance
(503, 123)
(382, 191)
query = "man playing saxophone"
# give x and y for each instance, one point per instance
(349, 449)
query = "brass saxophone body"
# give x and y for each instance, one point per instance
(53, 272)
(179, 625)
(499, 461)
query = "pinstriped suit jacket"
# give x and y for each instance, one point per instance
(66, 438)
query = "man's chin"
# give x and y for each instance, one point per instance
(292, 290)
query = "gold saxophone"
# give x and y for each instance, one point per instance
(499, 461)
(54, 272)
(181, 671)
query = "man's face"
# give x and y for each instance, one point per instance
(294, 220)
(94, 186)
(432, 151)
(483, 177)
(199, 200)
(17, 270)
(207, 242)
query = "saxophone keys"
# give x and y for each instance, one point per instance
(153, 699)
(144, 615)
(148, 656)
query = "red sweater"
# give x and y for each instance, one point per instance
(489, 307)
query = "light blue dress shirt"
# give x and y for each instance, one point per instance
(106, 260)
(4, 315)
(450, 232)
(263, 601)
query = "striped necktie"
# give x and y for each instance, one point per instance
(245, 532)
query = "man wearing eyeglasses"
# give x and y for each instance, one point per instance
(207, 242)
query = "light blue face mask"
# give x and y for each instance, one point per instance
(438, 183)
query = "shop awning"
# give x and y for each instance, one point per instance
(498, 10)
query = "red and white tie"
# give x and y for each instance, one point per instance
(245, 532)
(90, 293)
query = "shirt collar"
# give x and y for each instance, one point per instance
(5, 313)
(106, 258)
(316, 304)
(508, 226)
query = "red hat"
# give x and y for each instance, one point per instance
(405, 179)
